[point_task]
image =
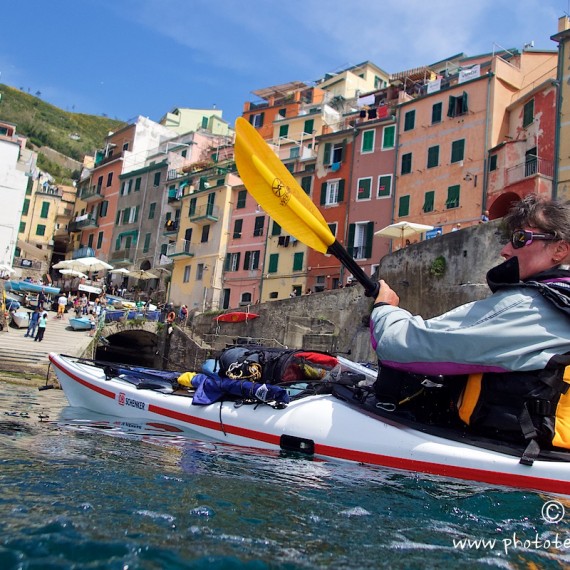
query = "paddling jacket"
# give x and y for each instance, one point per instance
(495, 365)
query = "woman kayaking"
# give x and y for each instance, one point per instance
(507, 353)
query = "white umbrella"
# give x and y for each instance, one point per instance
(120, 271)
(90, 264)
(159, 271)
(72, 273)
(142, 274)
(402, 230)
(65, 264)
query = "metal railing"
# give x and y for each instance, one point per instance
(181, 247)
(529, 168)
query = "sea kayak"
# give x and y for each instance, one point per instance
(320, 425)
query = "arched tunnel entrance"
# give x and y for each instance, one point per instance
(136, 347)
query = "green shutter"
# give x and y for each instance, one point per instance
(429, 201)
(246, 259)
(227, 262)
(464, 107)
(306, 184)
(453, 196)
(367, 141)
(350, 241)
(309, 126)
(369, 239)
(436, 113)
(276, 229)
(323, 193)
(192, 207)
(151, 210)
(457, 150)
(433, 156)
(363, 191)
(146, 244)
(451, 108)
(384, 186)
(45, 210)
(283, 130)
(26, 207)
(388, 137)
(327, 154)
(298, 261)
(273, 263)
(409, 120)
(99, 240)
(406, 163)
(404, 206)
(340, 191)
(528, 113)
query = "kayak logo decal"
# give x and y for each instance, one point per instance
(281, 191)
(124, 401)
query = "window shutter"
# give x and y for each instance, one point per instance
(340, 191)
(276, 229)
(273, 263)
(227, 262)
(451, 108)
(369, 239)
(261, 117)
(327, 155)
(323, 193)
(464, 107)
(298, 261)
(246, 259)
(188, 234)
(342, 150)
(238, 254)
(351, 231)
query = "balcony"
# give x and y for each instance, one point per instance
(84, 222)
(204, 214)
(92, 194)
(179, 249)
(535, 166)
(123, 256)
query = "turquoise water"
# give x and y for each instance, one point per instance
(80, 491)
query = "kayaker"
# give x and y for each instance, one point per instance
(502, 357)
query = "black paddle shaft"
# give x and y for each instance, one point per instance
(371, 288)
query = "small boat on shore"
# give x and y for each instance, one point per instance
(21, 319)
(307, 415)
(28, 286)
(80, 323)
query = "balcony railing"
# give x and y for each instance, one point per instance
(179, 248)
(171, 226)
(529, 168)
(91, 194)
(83, 222)
(123, 255)
(205, 213)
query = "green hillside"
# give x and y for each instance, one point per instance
(72, 134)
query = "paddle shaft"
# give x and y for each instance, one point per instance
(371, 288)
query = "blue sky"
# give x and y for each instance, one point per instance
(125, 58)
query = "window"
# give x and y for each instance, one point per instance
(276, 229)
(493, 162)
(104, 208)
(332, 192)
(126, 215)
(251, 260)
(385, 186)
(363, 188)
(457, 105)
(388, 137)
(404, 206)
(192, 207)
(409, 120)
(294, 152)
(245, 298)
(360, 236)
(156, 181)
(99, 240)
(433, 156)
(45, 210)
(273, 295)
(138, 184)
(151, 211)
(333, 228)
(452, 197)
(273, 262)
(40, 230)
(186, 277)
(26, 207)
(406, 163)
(283, 131)
(204, 122)
(528, 113)
(256, 120)
(241, 197)
(282, 113)
(205, 234)
(333, 153)
(199, 271)
(258, 228)
(99, 184)
(436, 112)
(188, 235)
(238, 225)
(298, 261)
(367, 141)
(125, 146)
(306, 184)
(109, 179)
(429, 198)
(22, 229)
(90, 241)
(232, 262)
(457, 150)
(309, 127)
(146, 244)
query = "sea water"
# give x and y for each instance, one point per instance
(83, 491)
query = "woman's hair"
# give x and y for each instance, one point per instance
(535, 211)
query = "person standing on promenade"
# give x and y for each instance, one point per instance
(41, 327)
(33, 325)
(61, 306)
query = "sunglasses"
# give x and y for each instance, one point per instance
(520, 238)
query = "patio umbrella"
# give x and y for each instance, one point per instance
(402, 230)
(160, 271)
(88, 264)
(120, 271)
(142, 274)
(72, 273)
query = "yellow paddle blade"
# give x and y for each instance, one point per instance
(277, 191)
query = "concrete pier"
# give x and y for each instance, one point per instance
(24, 355)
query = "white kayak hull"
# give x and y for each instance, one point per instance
(323, 425)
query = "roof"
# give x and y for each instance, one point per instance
(282, 89)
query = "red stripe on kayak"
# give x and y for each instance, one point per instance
(83, 382)
(465, 473)
(216, 425)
